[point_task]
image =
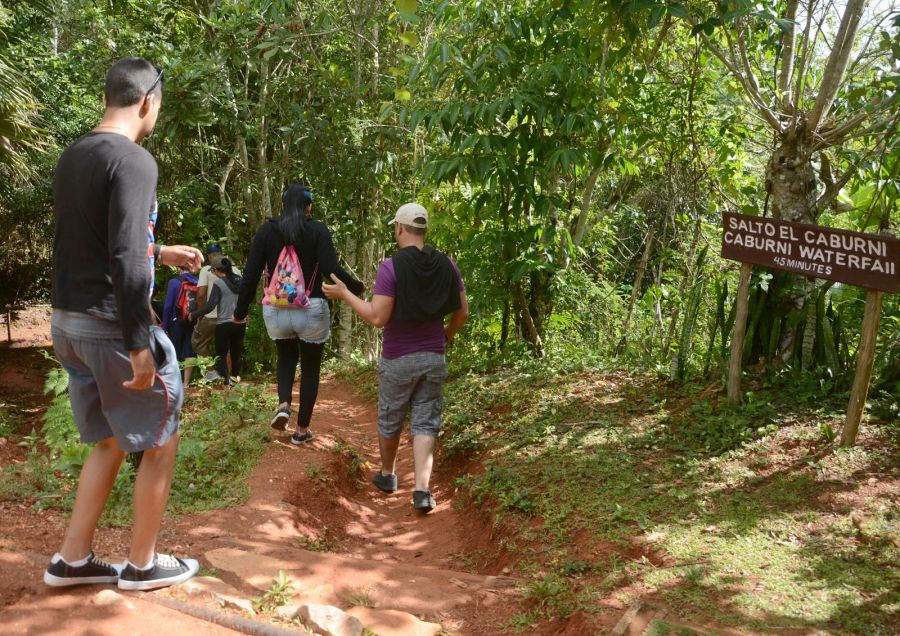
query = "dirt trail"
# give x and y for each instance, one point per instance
(312, 513)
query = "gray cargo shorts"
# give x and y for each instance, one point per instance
(92, 352)
(412, 382)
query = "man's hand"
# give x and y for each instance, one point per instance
(142, 368)
(181, 256)
(337, 291)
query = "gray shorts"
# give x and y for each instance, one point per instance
(92, 352)
(412, 382)
(312, 324)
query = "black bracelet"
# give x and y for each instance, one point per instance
(157, 250)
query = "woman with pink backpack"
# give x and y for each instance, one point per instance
(295, 252)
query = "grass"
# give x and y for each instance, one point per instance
(355, 461)
(223, 435)
(749, 511)
(361, 598)
(322, 543)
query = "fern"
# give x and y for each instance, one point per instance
(57, 381)
(59, 425)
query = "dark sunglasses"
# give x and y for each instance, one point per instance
(155, 83)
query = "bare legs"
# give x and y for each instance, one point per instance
(98, 476)
(151, 493)
(423, 456)
(388, 447)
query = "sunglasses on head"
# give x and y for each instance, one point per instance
(155, 83)
(304, 188)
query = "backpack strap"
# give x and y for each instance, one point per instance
(312, 280)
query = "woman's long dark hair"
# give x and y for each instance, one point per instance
(295, 200)
(231, 278)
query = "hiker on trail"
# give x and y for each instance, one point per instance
(205, 329)
(181, 299)
(229, 334)
(414, 290)
(296, 251)
(124, 383)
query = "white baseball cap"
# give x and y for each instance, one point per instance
(411, 214)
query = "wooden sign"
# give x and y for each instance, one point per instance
(864, 260)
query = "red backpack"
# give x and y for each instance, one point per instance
(187, 300)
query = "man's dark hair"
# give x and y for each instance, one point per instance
(129, 81)
(415, 231)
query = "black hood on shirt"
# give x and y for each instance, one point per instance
(427, 288)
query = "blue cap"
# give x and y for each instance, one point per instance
(213, 248)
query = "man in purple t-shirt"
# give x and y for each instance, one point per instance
(414, 290)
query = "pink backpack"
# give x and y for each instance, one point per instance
(286, 288)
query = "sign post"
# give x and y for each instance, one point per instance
(740, 330)
(864, 362)
(865, 260)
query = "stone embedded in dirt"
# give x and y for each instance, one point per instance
(110, 598)
(208, 585)
(257, 569)
(234, 602)
(287, 612)
(329, 621)
(393, 622)
(224, 594)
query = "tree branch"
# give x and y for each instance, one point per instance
(754, 96)
(835, 136)
(787, 60)
(837, 62)
(802, 68)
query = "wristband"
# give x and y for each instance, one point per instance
(157, 249)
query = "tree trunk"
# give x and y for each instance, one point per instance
(790, 178)
(636, 288)
(685, 281)
(533, 336)
(504, 324)
(261, 151)
(540, 304)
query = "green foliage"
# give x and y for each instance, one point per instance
(281, 591)
(259, 349)
(222, 438)
(551, 594)
(353, 458)
(318, 544)
(605, 463)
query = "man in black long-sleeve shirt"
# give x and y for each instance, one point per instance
(124, 383)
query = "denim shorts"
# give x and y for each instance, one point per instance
(413, 383)
(312, 324)
(91, 350)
